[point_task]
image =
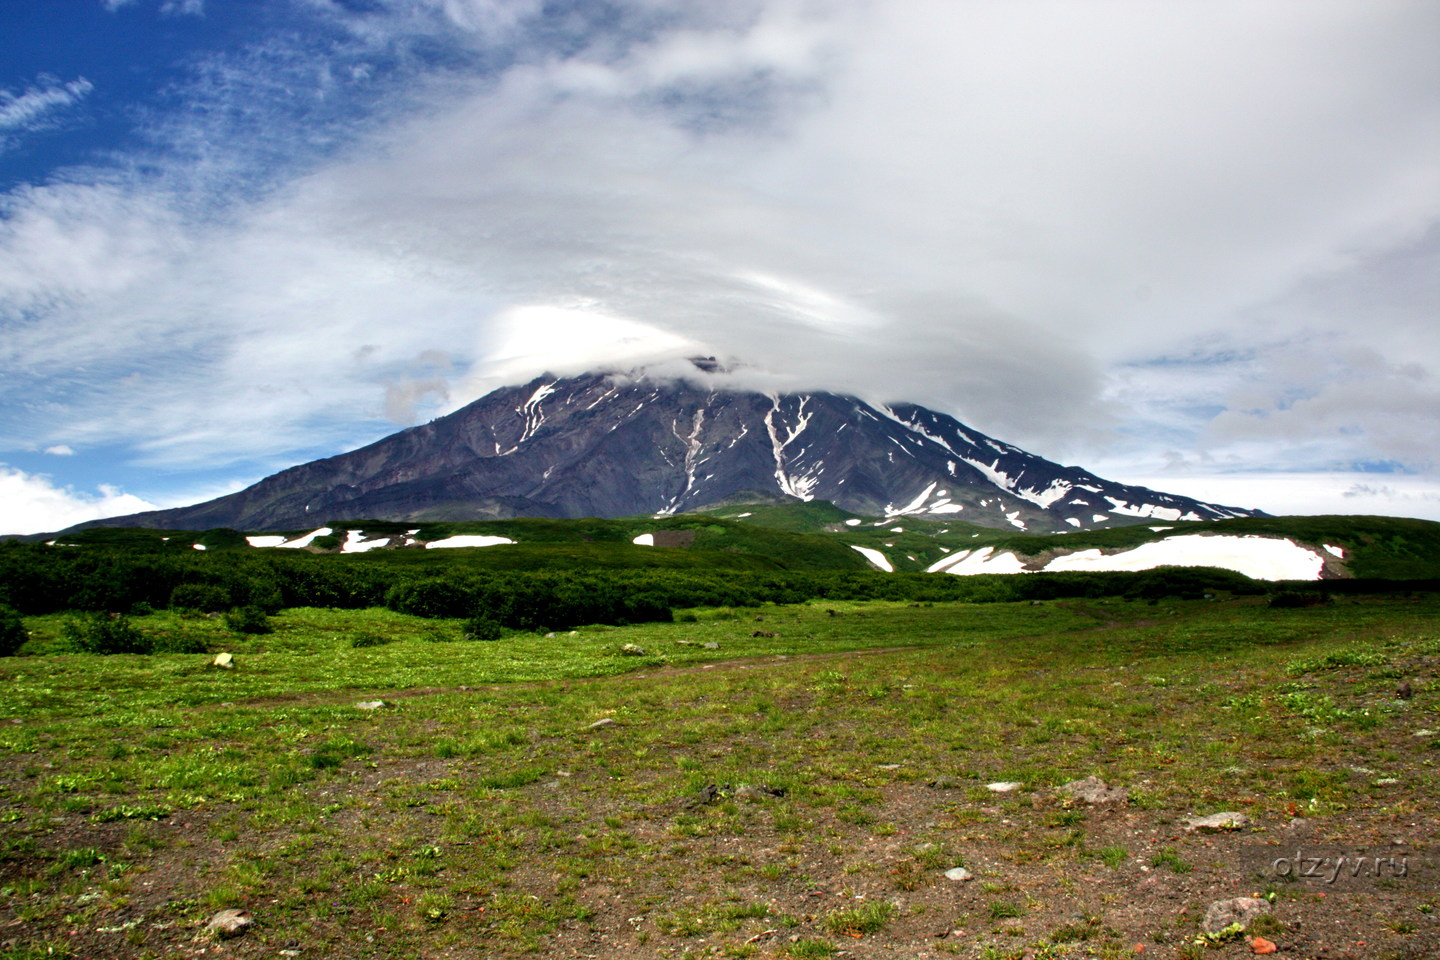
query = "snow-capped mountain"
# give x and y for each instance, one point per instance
(608, 445)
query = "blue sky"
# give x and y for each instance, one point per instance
(1192, 245)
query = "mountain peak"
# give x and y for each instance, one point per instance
(620, 444)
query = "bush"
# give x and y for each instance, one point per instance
(369, 640)
(12, 632)
(250, 619)
(105, 633)
(179, 644)
(482, 628)
(199, 596)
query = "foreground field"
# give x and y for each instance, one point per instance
(797, 790)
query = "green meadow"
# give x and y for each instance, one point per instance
(778, 780)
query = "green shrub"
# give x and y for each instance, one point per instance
(105, 633)
(12, 632)
(369, 640)
(171, 643)
(249, 619)
(199, 596)
(482, 628)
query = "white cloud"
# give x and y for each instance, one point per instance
(33, 503)
(1022, 213)
(1394, 495)
(35, 107)
(60, 450)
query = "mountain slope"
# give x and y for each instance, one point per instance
(610, 445)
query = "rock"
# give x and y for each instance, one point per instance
(1217, 822)
(1094, 791)
(1004, 786)
(550, 635)
(764, 633)
(706, 795)
(1261, 945)
(711, 645)
(369, 704)
(228, 924)
(225, 661)
(1225, 913)
(754, 791)
(959, 874)
(602, 723)
(632, 650)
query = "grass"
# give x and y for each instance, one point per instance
(479, 807)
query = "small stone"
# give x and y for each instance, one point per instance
(632, 650)
(1004, 786)
(888, 766)
(959, 874)
(1261, 945)
(602, 723)
(228, 924)
(1225, 913)
(1227, 820)
(711, 645)
(370, 705)
(550, 635)
(1426, 733)
(225, 661)
(1094, 791)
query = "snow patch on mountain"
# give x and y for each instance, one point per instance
(801, 487)
(468, 541)
(875, 557)
(355, 542)
(1261, 558)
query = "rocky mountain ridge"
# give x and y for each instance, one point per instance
(610, 445)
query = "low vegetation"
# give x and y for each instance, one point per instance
(767, 781)
(430, 753)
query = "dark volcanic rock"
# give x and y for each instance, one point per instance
(609, 445)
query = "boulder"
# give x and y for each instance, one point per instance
(1094, 791)
(1223, 914)
(228, 924)
(1216, 822)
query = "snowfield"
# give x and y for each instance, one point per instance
(469, 541)
(875, 557)
(1261, 558)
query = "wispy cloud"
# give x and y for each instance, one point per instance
(1022, 213)
(38, 106)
